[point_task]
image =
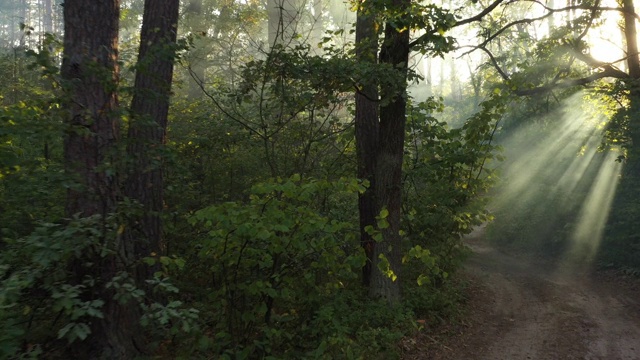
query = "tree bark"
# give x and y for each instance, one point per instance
(90, 75)
(148, 126)
(622, 225)
(366, 126)
(631, 33)
(90, 69)
(389, 159)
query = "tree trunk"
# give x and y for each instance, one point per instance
(631, 33)
(90, 74)
(366, 125)
(90, 69)
(198, 55)
(147, 129)
(24, 12)
(622, 225)
(47, 16)
(388, 181)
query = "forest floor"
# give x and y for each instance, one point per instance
(523, 307)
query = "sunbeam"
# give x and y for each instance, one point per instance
(557, 185)
(589, 229)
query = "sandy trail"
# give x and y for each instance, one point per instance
(527, 309)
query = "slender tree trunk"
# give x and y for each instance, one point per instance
(388, 182)
(90, 74)
(47, 16)
(147, 129)
(197, 56)
(440, 88)
(551, 21)
(366, 124)
(24, 12)
(428, 78)
(453, 80)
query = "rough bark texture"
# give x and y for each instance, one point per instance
(148, 126)
(366, 124)
(90, 73)
(631, 38)
(90, 69)
(633, 63)
(388, 182)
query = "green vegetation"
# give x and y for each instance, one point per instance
(261, 184)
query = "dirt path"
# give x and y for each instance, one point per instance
(527, 309)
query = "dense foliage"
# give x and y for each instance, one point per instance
(263, 257)
(261, 253)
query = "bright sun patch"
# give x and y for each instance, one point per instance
(605, 41)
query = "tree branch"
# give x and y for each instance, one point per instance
(607, 72)
(477, 17)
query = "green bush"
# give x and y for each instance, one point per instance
(266, 267)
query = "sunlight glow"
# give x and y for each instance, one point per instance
(545, 159)
(605, 41)
(555, 177)
(588, 232)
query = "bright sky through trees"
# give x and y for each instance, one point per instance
(606, 40)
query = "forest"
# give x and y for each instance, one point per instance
(296, 179)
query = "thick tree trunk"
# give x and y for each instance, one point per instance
(631, 33)
(366, 124)
(90, 70)
(147, 129)
(90, 74)
(388, 182)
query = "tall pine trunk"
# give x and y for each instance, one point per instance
(90, 75)
(148, 126)
(197, 57)
(366, 126)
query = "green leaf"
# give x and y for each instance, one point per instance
(423, 279)
(165, 260)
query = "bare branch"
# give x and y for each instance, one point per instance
(606, 73)
(481, 15)
(477, 17)
(495, 63)
(583, 7)
(217, 104)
